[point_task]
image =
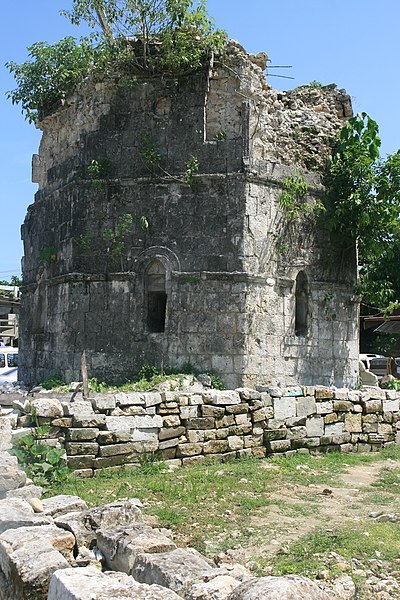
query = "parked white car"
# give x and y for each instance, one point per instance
(8, 364)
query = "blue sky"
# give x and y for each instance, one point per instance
(353, 43)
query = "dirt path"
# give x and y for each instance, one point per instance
(300, 509)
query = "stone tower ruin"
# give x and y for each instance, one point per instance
(156, 235)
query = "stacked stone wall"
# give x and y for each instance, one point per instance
(184, 427)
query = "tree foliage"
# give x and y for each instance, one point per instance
(50, 74)
(363, 207)
(129, 36)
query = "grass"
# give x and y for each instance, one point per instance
(214, 506)
(313, 552)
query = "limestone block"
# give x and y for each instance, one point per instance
(122, 513)
(62, 504)
(129, 423)
(237, 409)
(78, 408)
(62, 422)
(372, 406)
(235, 442)
(334, 428)
(188, 412)
(311, 442)
(193, 449)
(208, 410)
(171, 432)
(392, 395)
(284, 407)
(263, 414)
(47, 407)
(374, 392)
(279, 445)
(226, 421)
(275, 434)
(129, 399)
(370, 427)
(113, 437)
(355, 396)
(277, 588)
(324, 407)
(323, 393)
(27, 492)
(385, 429)
(241, 419)
(11, 476)
(30, 555)
(218, 588)
(305, 406)
(390, 405)
(331, 418)
(215, 447)
(172, 443)
(88, 582)
(174, 570)
(81, 434)
(152, 398)
(16, 512)
(121, 546)
(195, 399)
(5, 434)
(248, 394)
(172, 421)
(201, 423)
(342, 406)
(315, 426)
(195, 435)
(296, 433)
(115, 449)
(80, 462)
(341, 394)
(221, 397)
(353, 423)
(95, 420)
(81, 448)
(102, 403)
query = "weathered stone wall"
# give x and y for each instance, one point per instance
(198, 424)
(231, 259)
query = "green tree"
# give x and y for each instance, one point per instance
(363, 207)
(129, 36)
(50, 74)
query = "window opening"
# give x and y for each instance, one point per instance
(156, 297)
(301, 310)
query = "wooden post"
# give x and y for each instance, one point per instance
(84, 376)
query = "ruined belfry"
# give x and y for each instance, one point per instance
(157, 235)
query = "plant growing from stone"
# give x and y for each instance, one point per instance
(192, 167)
(293, 201)
(116, 237)
(173, 36)
(45, 465)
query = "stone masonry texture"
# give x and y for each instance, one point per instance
(228, 257)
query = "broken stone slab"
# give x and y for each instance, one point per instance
(293, 587)
(129, 423)
(175, 570)
(11, 476)
(121, 546)
(27, 492)
(219, 588)
(15, 513)
(5, 434)
(87, 583)
(46, 407)
(30, 555)
(221, 397)
(123, 513)
(79, 525)
(62, 504)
